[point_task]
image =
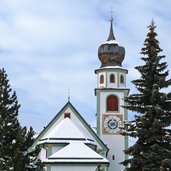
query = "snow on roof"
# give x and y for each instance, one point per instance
(115, 67)
(111, 42)
(65, 130)
(94, 129)
(76, 152)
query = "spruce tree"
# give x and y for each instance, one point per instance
(9, 124)
(15, 140)
(150, 127)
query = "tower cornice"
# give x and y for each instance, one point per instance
(114, 68)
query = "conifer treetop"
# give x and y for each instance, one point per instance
(152, 149)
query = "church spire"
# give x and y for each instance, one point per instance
(111, 34)
(110, 53)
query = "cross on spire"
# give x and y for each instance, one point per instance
(68, 95)
(111, 12)
(111, 34)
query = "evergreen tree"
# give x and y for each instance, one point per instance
(14, 140)
(152, 149)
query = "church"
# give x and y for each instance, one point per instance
(69, 143)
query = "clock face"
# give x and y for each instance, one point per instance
(111, 124)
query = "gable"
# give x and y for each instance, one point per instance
(66, 132)
(78, 120)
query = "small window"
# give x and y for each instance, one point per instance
(122, 79)
(101, 79)
(67, 115)
(113, 157)
(112, 103)
(112, 78)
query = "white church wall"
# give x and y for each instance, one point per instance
(115, 154)
(116, 142)
(106, 74)
(101, 85)
(103, 97)
(73, 168)
(122, 84)
(115, 84)
(42, 154)
(56, 148)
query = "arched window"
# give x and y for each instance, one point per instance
(112, 103)
(101, 79)
(112, 78)
(122, 79)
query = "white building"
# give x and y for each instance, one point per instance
(68, 143)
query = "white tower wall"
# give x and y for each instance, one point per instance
(115, 141)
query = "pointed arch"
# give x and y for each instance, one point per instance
(101, 79)
(122, 79)
(112, 78)
(112, 103)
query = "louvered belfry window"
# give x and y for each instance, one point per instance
(101, 79)
(122, 79)
(112, 103)
(112, 78)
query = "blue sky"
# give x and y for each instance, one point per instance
(50, 46)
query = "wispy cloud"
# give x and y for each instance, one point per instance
(48, 47)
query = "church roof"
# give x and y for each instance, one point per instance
(76, 152)
(49, 133)
(66, 131)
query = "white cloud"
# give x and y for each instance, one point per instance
(48, 47)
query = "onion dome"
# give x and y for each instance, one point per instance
(110, 53)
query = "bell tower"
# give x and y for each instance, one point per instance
(110, 92)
